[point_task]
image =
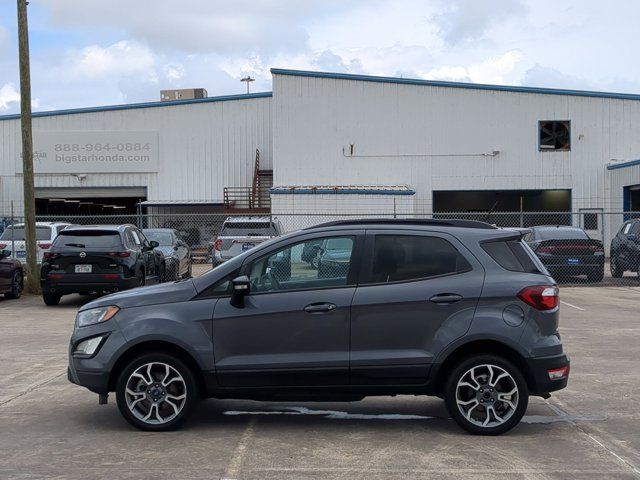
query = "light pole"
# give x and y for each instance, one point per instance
(248, 79)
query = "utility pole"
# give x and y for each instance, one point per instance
(32, 280)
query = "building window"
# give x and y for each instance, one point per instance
(554, 135)
(590, 221)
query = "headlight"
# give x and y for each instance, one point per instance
(96, 315)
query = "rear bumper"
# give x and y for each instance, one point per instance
(86, 283)
(539, 367)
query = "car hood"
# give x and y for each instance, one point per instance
(170, 292)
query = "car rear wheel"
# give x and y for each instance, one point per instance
(156, 392)
(486, 395)
(140, 277)
(616, 269)
(17, 283)
(51, 299)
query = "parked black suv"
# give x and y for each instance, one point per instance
(625, 249)
(457, 309)
(99, 258)
(567, 251)
(11, 275)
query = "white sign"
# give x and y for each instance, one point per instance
(94, 152)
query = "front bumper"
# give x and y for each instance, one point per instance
(94, 372)
(539, 367)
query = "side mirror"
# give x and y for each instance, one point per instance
(5, 254)
(241, 287)
(153, 244)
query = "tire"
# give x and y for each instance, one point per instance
(138, 398)
(471, 396)
(190, 271)
(616, 269)
(51, 299)
(141, 278)
(596, 275)
(17, 284)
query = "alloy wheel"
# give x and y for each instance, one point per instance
(487, 395)
(155, 393)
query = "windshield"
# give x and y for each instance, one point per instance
(248, 229)
(88, 239)
(17, 233)
(561, 234)
(163, 238)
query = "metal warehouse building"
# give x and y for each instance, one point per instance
(343, 144)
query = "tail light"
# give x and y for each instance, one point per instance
(119, 254)
(540, 297)
(558, 373)
(50, 255)
(545, 249)
(217, 245)
(596, 248)
(44, 246)
(3, 246)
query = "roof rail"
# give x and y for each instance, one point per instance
(408, 221)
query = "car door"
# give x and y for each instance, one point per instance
(294, 327)
(417, 293)
(148, 255)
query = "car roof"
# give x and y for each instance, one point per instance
(40, 224)
(558, 227)
(414, 222)
(158, 230)
(248, 219)
(116, 228)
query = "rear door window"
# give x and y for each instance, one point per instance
(88, 239)
(398, 258)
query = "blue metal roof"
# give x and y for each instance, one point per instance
(630, 163)
(133, 106)
(472, 86)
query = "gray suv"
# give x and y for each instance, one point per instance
(452, 308)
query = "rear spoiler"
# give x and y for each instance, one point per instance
(515, 233)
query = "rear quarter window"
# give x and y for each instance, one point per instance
(512, 255)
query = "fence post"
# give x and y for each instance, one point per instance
(13, 240)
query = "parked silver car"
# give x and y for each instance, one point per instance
(46, 233)
(239, 234)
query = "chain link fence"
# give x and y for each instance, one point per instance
(599, 248)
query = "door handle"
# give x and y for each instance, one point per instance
(446, 298)
(319, 307)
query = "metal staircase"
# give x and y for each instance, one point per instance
(253, 199)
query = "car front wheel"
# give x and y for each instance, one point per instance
(486, 395)
(616, 269)
(156, 392)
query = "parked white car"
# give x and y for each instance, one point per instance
(13, 238)
(239, 234)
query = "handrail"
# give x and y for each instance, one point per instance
(256, 169)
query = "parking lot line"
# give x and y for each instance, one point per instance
(572, 306)
(233, 470)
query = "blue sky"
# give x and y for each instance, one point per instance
(99, 52)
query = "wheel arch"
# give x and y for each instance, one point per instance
(156, 346)
(480, 347)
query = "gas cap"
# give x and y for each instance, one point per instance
(513, 315)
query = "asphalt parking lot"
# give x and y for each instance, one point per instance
(50, 428)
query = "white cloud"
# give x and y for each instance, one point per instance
(121, 58)
(494, 70)
(469, 20)
(8, 96)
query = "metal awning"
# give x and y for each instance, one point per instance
(181, 203)
(343, 190)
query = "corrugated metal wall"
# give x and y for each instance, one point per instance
(203, 147)
(315, 118)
